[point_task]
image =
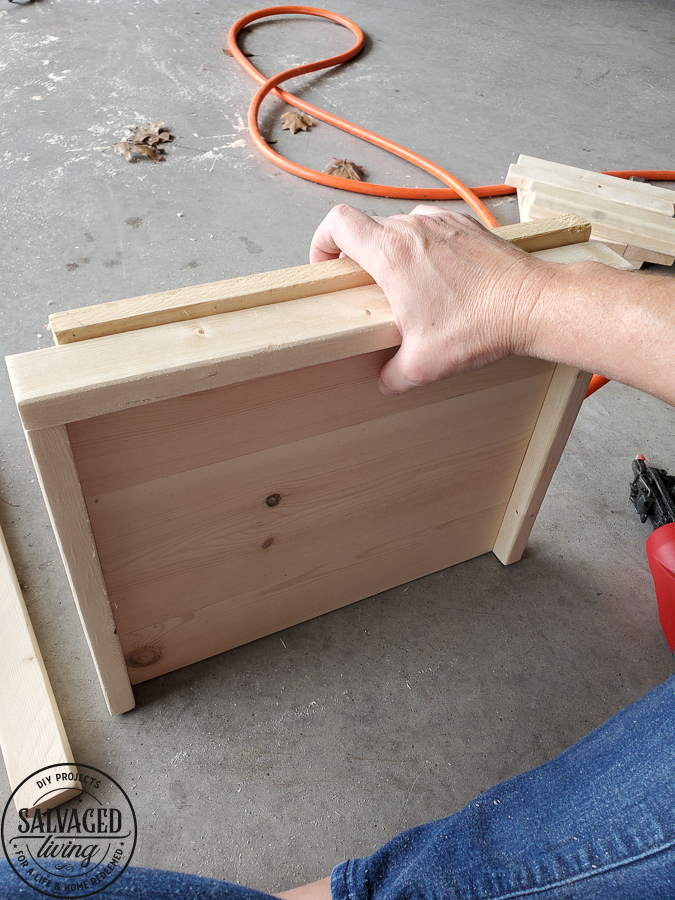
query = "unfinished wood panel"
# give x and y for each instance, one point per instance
(411, 552)
(56, 472)
(564, 397)
(639, 188)
(145, 443)
(613, 221)
(617, 191)
(64, 384)
(269, 287)
(32, 735)
(183, 542)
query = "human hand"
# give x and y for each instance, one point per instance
(461, 296)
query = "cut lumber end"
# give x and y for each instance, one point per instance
(558, 231)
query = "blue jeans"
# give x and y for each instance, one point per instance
(595, 823)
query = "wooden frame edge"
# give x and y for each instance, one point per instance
(559, 411)
(55, 467)
(250, 291)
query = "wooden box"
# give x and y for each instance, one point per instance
(218, 463)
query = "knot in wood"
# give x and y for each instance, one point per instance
(143, 656)
(273, 500)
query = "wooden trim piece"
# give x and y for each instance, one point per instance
(65, 384)
(269, 287)
(618, 190)
(558, 231)
(31, 730)
(588, 176)
(55, 467)
(615, 221)
(563, 400)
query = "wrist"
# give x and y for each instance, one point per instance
(531, 309)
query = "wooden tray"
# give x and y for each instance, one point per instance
(218, 463)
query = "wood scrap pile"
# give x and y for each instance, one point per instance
(634, 218)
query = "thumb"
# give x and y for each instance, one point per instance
(402, 372)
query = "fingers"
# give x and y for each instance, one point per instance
(347, 231)
(396, 376)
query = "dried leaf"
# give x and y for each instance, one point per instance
(345, 168)
(123, 147)
(156, 154)
(295, 121)
(145, 140)
(229, 53)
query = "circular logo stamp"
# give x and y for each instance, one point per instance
(78, 847)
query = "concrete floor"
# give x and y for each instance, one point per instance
(269, 764)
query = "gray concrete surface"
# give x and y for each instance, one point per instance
(269, 764)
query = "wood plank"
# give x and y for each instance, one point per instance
(76, 381)
(56, 472)
(565, 395)
(267, 288)
(642, 223)
(189, 637)
(145, 443)
(176, 544)
(541, 201)
(617, 190)
(639, 254)
(32, 735)
(65, 384)
(640, 188)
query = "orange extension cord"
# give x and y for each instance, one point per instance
(456, 190)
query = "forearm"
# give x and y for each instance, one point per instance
(618, 324)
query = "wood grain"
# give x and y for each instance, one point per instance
(617, 190)
(56, 472)
(638, 188)
(411, 551)
(266, 288)
(32, 735)
(614, 221)
(564, 397)
(145, 443)
(180, 543)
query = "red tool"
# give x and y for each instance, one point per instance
(652, 493)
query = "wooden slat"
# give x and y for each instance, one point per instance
(640, 227)
(32, 735)
(639, 188)
(565, 395)
(190, 637)
(76, 381)
(269, 287)
(145, 443)
(176, 544)
(616, 190)
(57, 474)
(65, 384)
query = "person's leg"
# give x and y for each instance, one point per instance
(141, 884)
(595, 823)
